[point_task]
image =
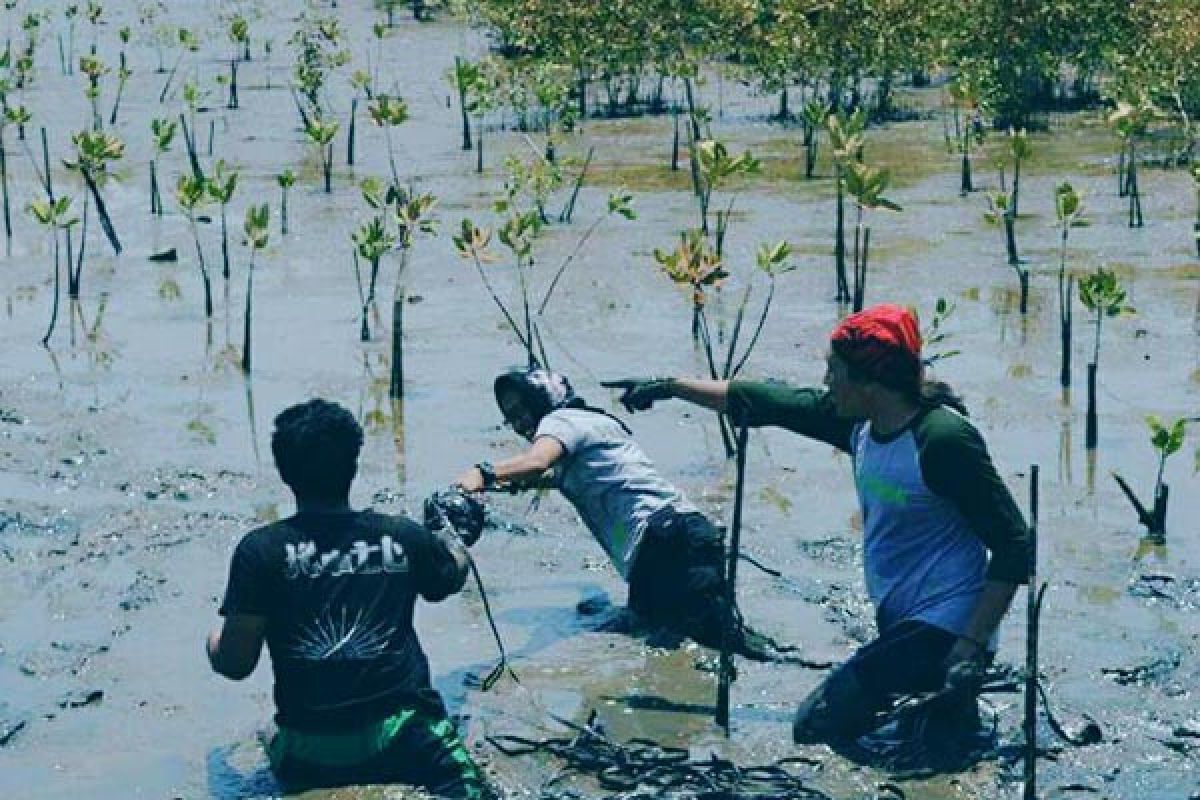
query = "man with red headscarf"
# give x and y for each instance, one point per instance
(944, 544)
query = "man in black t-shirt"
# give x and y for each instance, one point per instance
(331, 591)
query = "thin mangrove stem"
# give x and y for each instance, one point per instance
(567, 262)
(57, 284)
(487, 284)
(762, 321)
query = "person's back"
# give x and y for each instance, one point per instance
(338, 590)
(331, 592)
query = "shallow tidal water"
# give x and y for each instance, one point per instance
(133, 454)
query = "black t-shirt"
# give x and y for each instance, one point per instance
(338, 591)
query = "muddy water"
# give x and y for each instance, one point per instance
(134, 454)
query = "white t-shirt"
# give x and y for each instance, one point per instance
(609, 480)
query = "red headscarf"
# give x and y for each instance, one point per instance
(882, 341)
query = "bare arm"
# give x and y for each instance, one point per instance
(233, 650)
(543, 454)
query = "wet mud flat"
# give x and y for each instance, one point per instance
(133, 455)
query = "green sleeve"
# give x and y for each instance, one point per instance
(955, 464)
(806, 411)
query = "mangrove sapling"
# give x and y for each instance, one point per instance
(12, 114)
(482, 97)
(715, 167)
(93, 152)
(1068, 207)
(93, 69)
(163, 132)
(55, 216)
(866, 185)
(388, 111)
(812, 119)
(1167, 439)
(1020, 150)
(846, 141)
(413, 214)
(1102, 294)
(463, 75)
(518, 234)
(966, 99)
(538, 178)
(257, 229)
(188, 43)
(192, 194)
(123, 75)
(321, 133)
(620, 203)
(380, 32)
(286, 180)
(371, 242)
(71, 13)
(239, 36)
(1000, 212)
(220, 186)
(1131, 121)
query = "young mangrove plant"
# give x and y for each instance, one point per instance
(163, 132)
(124, 73)
(257, 229)
(192, 194)
(389, 111)
(319, 50)
(462, 76)
(93, 69)
(866, 185)
(1167, 439)
(321, 133)
(55, 217)
(187, 43)
(846, 141)
(221, 185)
(536, 177)
(518, 234)
(481, 98)
(716, 167)
(1020, 150)
(239, 37)
(1195, 173)
(94, 151)
(1131, 121)
(286, 180)
(11, 115)
(1102, 294)
(933, 337)
(966, 100)
(192, 96)
(1000, 212)
(694, 264)
(812, 119)
(1068, 206)
(372, 241)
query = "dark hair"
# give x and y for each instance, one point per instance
(316, 446)
(899, 371)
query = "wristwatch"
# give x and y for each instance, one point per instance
(488, 472)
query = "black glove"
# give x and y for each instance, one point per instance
(641, 393)
(458, 510)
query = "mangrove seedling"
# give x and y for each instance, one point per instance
(1000, 212)
(537, 177)
(481, 98)
(321, 133)
(192, 193)
(866, 185)
(94, 151)
(257, 228)
(123, 75)
(286, 180)
(716, 167)
(812, 118)
(188, 43)
(12, 115)
(371, 242)
(220, 186)
(239, 36)
(54, 216)
(463, 75)
(935, 335)
(1130, 121)
(1068, 206)
(966, 99)
(413, 214)
(1195, 172)
(1166, 439)
(163, 131)
(1102, 294)
(518, 234)
(846, 141)
(93, 69)
(389, 111)
(1020, 150)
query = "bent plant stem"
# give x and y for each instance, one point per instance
(102, 211)
(487, 284)
(762, 321)
(567, 262)
(569, 209)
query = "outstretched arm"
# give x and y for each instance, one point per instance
(639, 395)
(543, 454)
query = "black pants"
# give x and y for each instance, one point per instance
(908, 658)
(678, 578)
